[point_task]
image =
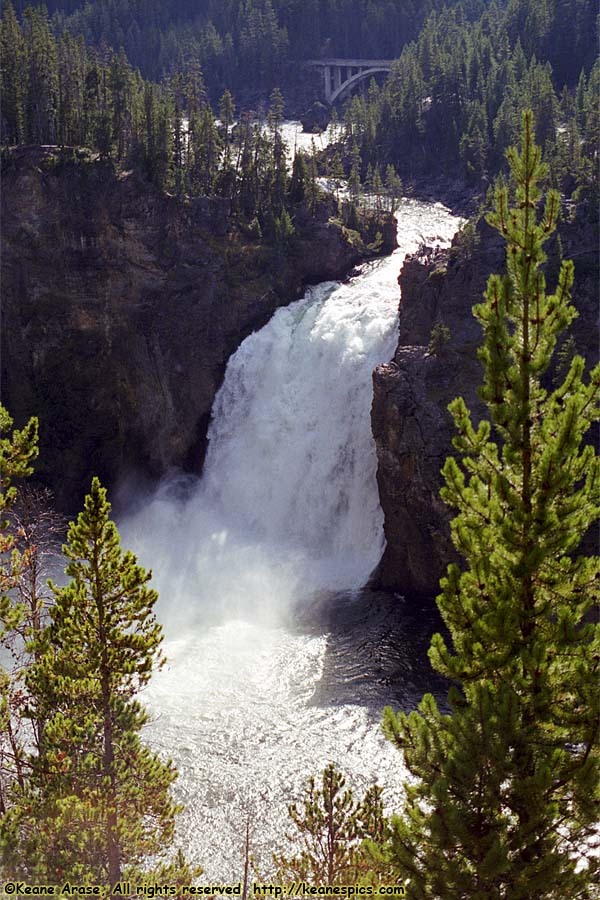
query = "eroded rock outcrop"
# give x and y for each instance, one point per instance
(121, 307)
(412, 427)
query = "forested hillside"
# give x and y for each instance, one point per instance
(454, 100)
(247, 44)
(76, 74)
(59, 91)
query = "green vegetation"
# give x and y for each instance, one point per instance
(453, 101)
(81, 796)
(18, 449)
(245, 46)
(505, 798)
(332, 827)
(90, 105)
(57, 91)
(440, 336)
(503, 801)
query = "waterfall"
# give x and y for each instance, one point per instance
(287, 509)
(291, 461)
(288, 500)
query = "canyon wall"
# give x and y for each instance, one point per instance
(412, 427)
(121, 306)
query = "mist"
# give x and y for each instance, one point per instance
(284, 519)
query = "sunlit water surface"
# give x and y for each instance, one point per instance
(277, 662)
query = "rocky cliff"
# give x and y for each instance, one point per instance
(411, 424)
(121, 306)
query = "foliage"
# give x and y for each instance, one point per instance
(299, 180)
(244, 46)
(350, 216)
(564, 357)
(465, 241)
(18, 450)
(393, 187)
(34, 529)
(17, 453)
(96, 801)
(59, 92)
(440, 336)
(455, 96)
(376, 245)
(505, 798)
(283, 231)
(332, 827)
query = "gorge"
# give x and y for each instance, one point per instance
(235, 357)
(121, 307)
(259, 564)
(278, 663)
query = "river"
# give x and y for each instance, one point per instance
(278, 662)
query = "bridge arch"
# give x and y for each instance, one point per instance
(340, 75)
(347, 86)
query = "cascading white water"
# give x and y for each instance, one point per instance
(287, 509)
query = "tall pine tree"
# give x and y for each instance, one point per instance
(505, 800)
(97, 804)
(18, 450)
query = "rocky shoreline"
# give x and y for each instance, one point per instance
(461, 199)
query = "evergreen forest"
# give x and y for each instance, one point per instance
(463, 75)
(185, 102)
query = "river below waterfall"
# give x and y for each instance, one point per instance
(278, 661)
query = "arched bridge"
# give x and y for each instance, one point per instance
(340, 75)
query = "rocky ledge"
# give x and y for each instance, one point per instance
(412, 427)
(121, 307)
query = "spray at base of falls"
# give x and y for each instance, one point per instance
(287, 510)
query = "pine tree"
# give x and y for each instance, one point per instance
(227, 112)
(178, 132)
(18, 450)
(337, 172)
(312, 187)
(121, 88)
(354, 183)
(299, 179)
(70, 91)
(34, 529)
(281, 231)
(332, 827)
(195, 91)
(277, 176)
(203, 152)
(97, 803)
(506, 797)
(12, 51)
(276, 108)
(41, 99)
(377, 189)
(393, 186)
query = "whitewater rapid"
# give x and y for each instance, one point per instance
(285, 520)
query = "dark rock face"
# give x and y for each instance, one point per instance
(121, 307)
(316, 118)
(412, 427)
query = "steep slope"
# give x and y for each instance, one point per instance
(121, 306)
(411, 424)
